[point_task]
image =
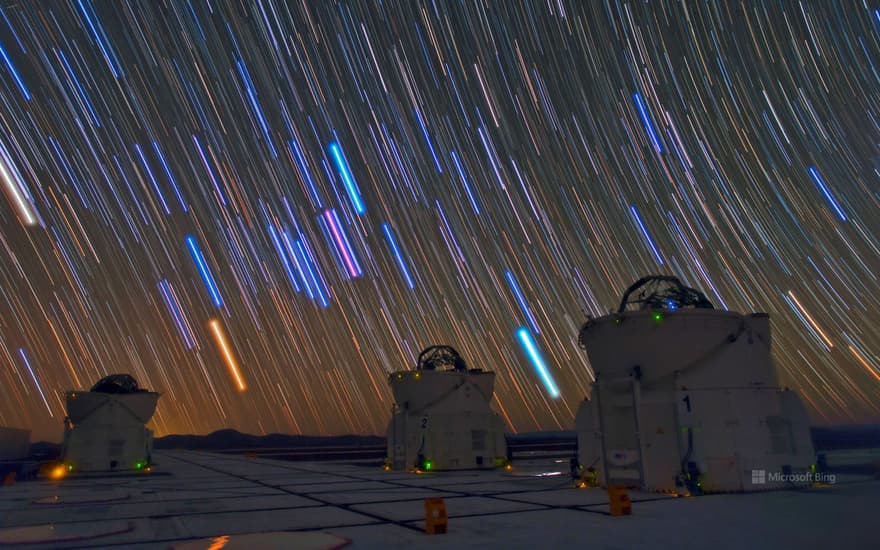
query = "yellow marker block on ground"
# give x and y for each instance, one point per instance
(435, 516)
(619, 503)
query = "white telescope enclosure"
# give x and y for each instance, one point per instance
(442, 418)
(687, 398)
(105, 428)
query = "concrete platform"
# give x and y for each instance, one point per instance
(204, 500)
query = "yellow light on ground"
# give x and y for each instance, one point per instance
(231, 363)
(219, 542)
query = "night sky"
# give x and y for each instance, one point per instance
(262, 209)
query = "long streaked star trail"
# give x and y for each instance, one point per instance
(260, 209)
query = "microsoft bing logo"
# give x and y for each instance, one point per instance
(762, 477)
(759, 477)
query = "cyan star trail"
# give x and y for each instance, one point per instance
(261, 209)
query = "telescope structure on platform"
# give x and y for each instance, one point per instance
(105, 428)
(687, 398)
(442, 419)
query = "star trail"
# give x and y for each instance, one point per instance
(260, 209)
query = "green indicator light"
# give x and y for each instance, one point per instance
(658, 316)
(429, 465)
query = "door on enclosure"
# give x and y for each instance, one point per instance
(618, 404)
